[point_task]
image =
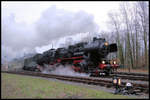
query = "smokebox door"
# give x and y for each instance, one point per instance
(113, 47)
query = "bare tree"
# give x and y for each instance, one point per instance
(115, 22)
(144, 16)
(131, 28)
(128, 32)
(136, 25)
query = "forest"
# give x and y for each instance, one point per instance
(130, 30)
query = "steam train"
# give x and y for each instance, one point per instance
(86, 57)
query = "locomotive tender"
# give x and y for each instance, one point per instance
(82, 57)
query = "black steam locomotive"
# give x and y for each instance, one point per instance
(82, 57)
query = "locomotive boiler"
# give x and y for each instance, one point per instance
(84, 57)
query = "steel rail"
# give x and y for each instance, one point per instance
(127, 73)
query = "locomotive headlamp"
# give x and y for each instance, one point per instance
(106, 43)
(103, 62)
(114, 62)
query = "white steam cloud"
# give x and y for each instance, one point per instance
(55, 23)
(19, 38)
(63, 70)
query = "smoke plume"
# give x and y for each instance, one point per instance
(19, 38)
(56, 23)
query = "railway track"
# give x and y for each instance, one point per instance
(132, 76)
(135, 74)
(141, 88)
(128, 77)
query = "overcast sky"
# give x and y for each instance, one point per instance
(30, 12)
(31, 25)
